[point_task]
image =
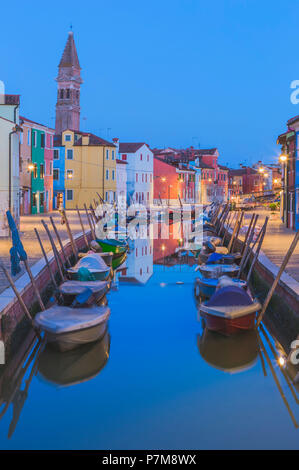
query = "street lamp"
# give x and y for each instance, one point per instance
(283, 158)
(30, 167)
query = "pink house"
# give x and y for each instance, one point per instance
(49, 170)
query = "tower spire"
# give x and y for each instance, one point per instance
(68, 88)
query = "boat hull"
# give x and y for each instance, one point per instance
(118, 260)
(106, 246)
(72, 340)
(96, 276)
(229, 326)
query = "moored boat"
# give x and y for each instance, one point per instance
(67, 328)
(90, 268)
(116, 246)
(230, 309)
(205, 287)
(69, 290)
(214, 271)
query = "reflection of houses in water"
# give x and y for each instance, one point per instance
(170, 252)
(139, 264)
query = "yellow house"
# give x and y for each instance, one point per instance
(90, 168)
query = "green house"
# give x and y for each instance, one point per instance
(38, 172)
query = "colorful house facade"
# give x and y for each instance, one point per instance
(40, 138)
(86, 166)
(245, 181)
(201, 179)
(10, 155)
(289, 205)
(58, 173)
(139, 158)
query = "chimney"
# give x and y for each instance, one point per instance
(115, 140)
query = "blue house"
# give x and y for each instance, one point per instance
(58, 173)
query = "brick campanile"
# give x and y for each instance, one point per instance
(68, 89)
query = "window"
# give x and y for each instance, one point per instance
(41, 171)
(21, 137)
(142, 177)
(114, 196)
(113, 175)
(106, 196)
(41, 199)
(34, 138)
(148, 158)
(136, 177)
(56, 154)
(34, 170)
(28, 137)
(69, 194)
(67, 137)
(141, 156)
(61, 94)
(69, 154)
(68, 94)
(107, 154)
(124, 157)
(33, 199)
(113, 155)
(107, 175)
(42, 141)
(151, 177)
(56, 174)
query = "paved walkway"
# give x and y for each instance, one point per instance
(277, 241)
(30, 242)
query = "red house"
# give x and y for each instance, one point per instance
(245, 181)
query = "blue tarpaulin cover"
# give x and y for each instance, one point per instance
(214, 257)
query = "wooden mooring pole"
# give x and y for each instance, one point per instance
(19, 297)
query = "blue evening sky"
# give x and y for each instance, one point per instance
(168, 72)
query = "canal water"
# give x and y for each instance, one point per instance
(157, 380)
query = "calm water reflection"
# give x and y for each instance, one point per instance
(156, 380)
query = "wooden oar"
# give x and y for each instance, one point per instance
(60, 242)
(246, 253)
(237, 232)
(54, 249)
(89, 221)
(82, 227)
(277, 278)
(234, 232)
(247, 233)
(74, 247)
(46, 258)
(258, 248)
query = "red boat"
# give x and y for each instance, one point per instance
(230, 310)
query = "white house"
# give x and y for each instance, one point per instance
(139, 158)
(139, 264)
(121, 177)
(9, 151)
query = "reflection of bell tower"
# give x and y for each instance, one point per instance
(68, 89)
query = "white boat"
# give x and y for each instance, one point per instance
(68, 328)
(91, 267)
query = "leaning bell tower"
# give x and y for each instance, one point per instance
(68, 89)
